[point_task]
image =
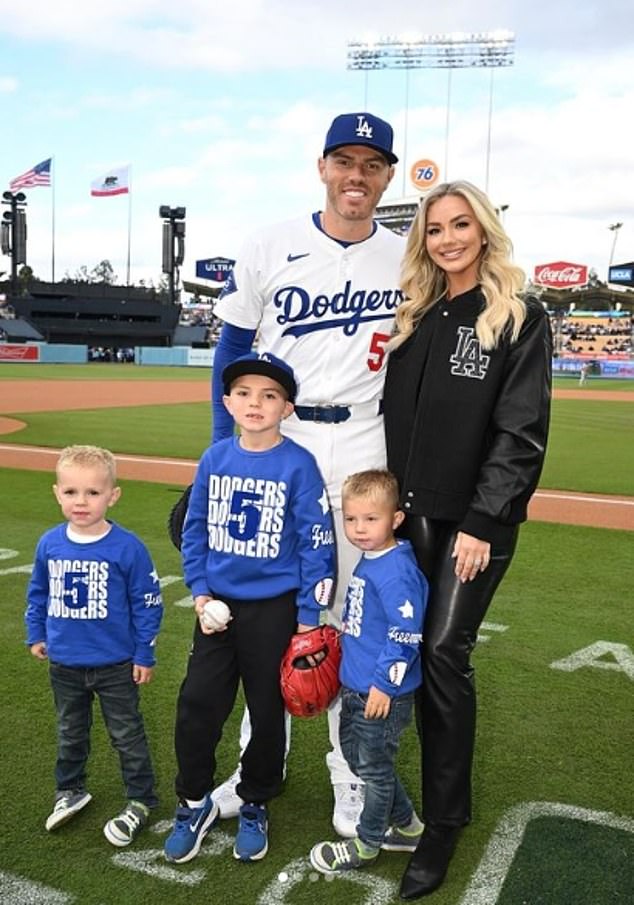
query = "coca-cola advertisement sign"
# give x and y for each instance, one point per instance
(561, 275)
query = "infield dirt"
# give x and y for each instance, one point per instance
(62, 395)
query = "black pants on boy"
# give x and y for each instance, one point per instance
(445, 704)
(250, 650)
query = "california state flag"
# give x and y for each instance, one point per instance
(115, 182)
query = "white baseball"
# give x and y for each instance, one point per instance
(216, 614)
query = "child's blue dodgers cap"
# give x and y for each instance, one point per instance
(361, 129)
(265, 364)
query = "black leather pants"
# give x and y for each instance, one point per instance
(446, 701)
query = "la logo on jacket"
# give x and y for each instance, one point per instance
(468, 359)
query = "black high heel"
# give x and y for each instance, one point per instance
(428, 865)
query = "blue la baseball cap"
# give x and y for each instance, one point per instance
(361, 129)
(265, 364)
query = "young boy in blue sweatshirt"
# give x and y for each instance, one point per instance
(380, 670)
(94, 610)
(258, 535)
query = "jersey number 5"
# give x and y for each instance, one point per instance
(376, 352)
(245, 516)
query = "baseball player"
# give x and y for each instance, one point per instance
(321, 292)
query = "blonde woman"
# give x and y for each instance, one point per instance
(466, 406)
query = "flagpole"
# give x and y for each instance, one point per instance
(53, 220)
(129, 223)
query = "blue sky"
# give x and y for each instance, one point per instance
(223, 108)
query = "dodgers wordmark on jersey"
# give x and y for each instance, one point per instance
(94, 604)
(324, 307)
(383, 623)
(259, 525)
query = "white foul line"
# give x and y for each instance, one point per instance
(120, 457)
(186, 463)
(582, 499)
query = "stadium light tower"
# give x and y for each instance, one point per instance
(614, 227)
(13, 233)
(173, 244)
(451, 50)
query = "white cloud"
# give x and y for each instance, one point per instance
(256, 35)
(223, 108)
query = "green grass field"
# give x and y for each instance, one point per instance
(590, 445)
(113, 371)
(555, 669)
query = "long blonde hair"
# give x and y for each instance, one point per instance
(424, 283)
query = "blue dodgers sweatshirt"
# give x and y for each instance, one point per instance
(259, 525)
(383, 623)
(94, 604)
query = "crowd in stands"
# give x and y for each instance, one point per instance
(594, 335)
(109, 353)
(202, 315)
(7, 311)
(576, 335)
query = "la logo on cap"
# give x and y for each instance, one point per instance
(364, 129)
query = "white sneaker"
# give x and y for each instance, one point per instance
(126, 826)
(226, 797)
(348, 806)
(67, 803)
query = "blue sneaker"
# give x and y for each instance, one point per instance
(252, 841)
(191, 825)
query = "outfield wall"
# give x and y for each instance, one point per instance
(601, 367)
(43, 352)
(59, 353)
(185, 356)
(182, 356)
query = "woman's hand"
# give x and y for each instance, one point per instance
(472, 555)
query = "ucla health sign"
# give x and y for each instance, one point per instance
(622, 273)
(217, 269)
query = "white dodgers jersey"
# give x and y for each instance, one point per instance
(326, 309)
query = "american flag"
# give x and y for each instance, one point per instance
(40, 174)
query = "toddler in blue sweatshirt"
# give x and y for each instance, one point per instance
(380, 670)
(94, 610)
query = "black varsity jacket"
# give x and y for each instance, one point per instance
(466, 429)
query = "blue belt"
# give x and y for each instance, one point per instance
(326, 414)
(336, 414)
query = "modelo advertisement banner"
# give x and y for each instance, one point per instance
(216, 269)
(561, 275)
(18, 352)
